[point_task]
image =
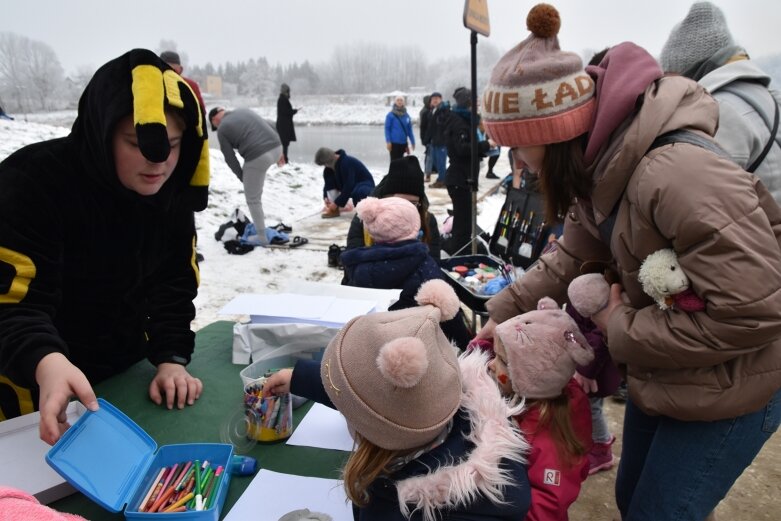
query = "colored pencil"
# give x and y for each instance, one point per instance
(179, 503)
(142, 505)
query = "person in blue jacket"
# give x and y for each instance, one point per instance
(97, 245)
(344, 178)
(433, 439)
(399, 138)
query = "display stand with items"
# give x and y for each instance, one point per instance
(521, 232)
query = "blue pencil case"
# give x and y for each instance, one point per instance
(110, 459)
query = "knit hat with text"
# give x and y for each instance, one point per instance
(538, 94)
(698, 37)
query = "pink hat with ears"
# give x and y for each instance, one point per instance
(543, 348)
(391, 219)
(394, 375)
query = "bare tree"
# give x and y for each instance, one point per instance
(30, 72)
(13, 77)
(45, 72)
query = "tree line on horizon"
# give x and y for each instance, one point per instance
(32, 79)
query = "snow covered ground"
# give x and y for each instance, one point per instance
(292, 195)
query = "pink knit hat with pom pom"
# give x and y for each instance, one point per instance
(543, 348)
(394, 375)
(391, 219)
(538, 94)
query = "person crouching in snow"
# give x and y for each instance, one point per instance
(398, 259)
(433, 438)
(535, 358)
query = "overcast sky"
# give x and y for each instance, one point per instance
(90, 32)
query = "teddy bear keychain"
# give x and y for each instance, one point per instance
(660, 275)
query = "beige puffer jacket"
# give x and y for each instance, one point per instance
(726, 229)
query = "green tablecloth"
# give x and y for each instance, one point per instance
(221, 400)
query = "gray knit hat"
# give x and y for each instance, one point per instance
(170, 57)
(463, 97)
(394, 375)
(324, 156)
(698, 37)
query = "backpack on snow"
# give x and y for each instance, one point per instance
(232, 232)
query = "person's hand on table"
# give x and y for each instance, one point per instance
(279, 382)
(173, 382)
(59, 380)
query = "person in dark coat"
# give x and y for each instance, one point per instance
(432, 435)
(459, 151)
(285, 113)
(423, 116)
(344, 178)
(97, 245)
(397, 259)
(404, 179)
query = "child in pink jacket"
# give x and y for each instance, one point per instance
(536, 355)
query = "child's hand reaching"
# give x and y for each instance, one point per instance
(279, 382)
(587, 384)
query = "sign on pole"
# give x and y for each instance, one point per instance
(476, 16)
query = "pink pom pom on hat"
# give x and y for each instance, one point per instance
(538, 94)
(394, 375)
(391, 219)
(589, 293)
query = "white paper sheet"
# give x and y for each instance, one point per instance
(22, 457)
(271, 495)
(383, 297)
(290, 307)
(278, 305)
(324, 428)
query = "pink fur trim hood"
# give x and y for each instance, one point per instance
(19, 505)
(495, 437)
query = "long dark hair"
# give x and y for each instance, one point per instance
(563, 177)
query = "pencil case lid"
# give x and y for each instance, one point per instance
(104, 455)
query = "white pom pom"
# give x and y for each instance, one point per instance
(403, 361)
(439, 294)
(367, 209)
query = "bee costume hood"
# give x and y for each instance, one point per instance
(141, 84)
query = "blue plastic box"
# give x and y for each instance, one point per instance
(111, 460)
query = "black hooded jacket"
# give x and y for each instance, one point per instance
(89, 268)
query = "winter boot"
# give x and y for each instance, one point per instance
(333, 255)
(600, 457)
(330, 214)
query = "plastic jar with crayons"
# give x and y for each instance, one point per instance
(269, 417)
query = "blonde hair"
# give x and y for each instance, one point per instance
(555, 412)
(365, 464)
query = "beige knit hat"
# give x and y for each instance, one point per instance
(538, 94)
(394, 375)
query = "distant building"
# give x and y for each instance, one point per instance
(214, 85)
(390, 97)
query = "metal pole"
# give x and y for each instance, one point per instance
(474, 167)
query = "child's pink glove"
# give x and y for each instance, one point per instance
(482, 344)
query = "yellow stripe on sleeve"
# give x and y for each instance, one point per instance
(25, 273)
